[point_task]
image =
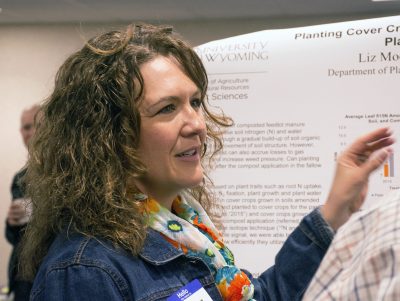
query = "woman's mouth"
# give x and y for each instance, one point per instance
(188, 153)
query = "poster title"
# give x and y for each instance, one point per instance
(353, 32)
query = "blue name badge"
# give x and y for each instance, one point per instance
(191, 292)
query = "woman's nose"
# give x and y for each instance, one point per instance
(194, 123)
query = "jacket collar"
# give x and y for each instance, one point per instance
(157, 250)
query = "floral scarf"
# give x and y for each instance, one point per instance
(189, 228)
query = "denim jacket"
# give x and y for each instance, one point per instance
(82, 268)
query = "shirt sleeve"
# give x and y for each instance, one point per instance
(13, 233)
(81, 282)
(296, 262)
(363, 262)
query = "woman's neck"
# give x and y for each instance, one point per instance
(164, 198)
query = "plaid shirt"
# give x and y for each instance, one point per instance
(363, 262)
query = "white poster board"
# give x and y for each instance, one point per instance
(298, 97)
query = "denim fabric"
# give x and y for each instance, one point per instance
(82, 268)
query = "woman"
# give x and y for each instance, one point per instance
(122, 203)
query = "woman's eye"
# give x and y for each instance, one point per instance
(167, 109)
(196, 103)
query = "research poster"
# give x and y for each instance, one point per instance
(298, 97)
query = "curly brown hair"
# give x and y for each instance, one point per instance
(84, 154)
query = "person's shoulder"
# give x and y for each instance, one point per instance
(77, 252)
(19, 174)
(76, 260)
(77, 249)
(17, 185)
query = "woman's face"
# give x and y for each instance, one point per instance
(172, 130)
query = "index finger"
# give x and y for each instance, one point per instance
(374, 140)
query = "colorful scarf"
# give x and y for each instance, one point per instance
(189, 228)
